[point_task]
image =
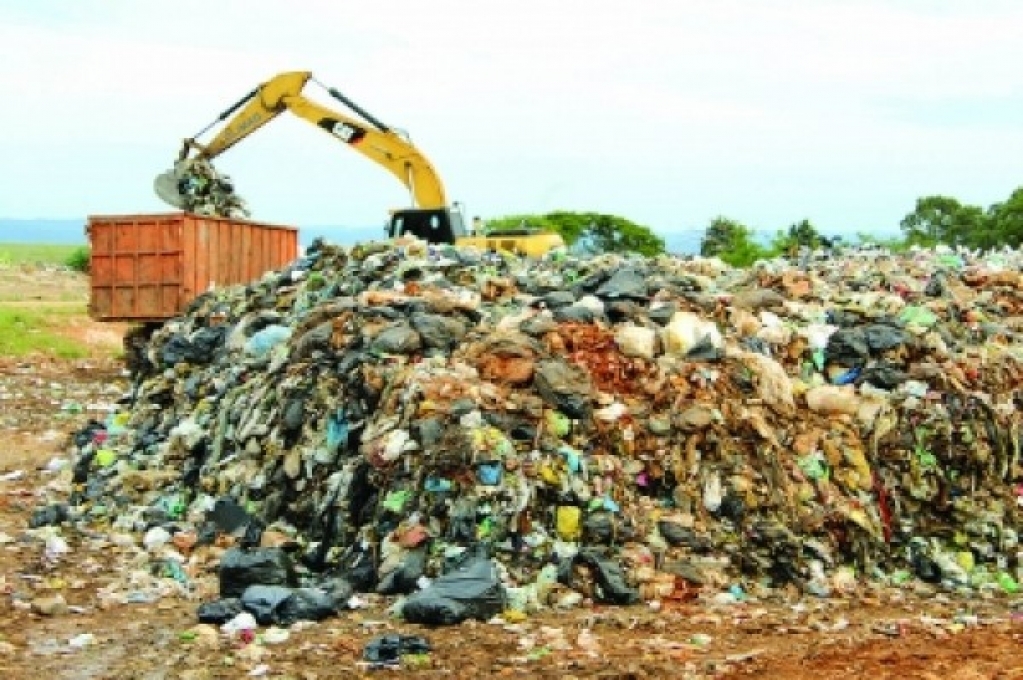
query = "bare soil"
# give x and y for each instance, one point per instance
(872, 633)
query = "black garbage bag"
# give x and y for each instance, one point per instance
(309, 604)
(206, 342)
(253, 534)
(935, 285)
(924, 566)
(358, 568)
(565, 386)
(558, 298)
(611, 587)
(387, 650)
(228, 515)
(704, 350)
(462, 521)
(574, 314)
(618, 311)
(294, 415)
(537, 326)
(437, 331)
(843, 318)
(201, 348)
(51, 515)
(312, 340)
(428, 431)
(337, 587)
(882, 337)
(591, 282)
(473, 591)
(281, 606)
(397, 339)
(404, 579)
(240, 569)
(624, 283)
(883, 375)
(602, 528)
(662, 314)
(847, 346)
(220, 611)
(732, 507)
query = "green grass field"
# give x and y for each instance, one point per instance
(27, 330)
(41, 311)
(35, 253)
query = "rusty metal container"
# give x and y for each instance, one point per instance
(148, 268)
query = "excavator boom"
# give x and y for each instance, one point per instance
(368, 136)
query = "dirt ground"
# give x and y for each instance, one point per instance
(874, 633)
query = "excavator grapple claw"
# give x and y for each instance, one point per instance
(167, 186)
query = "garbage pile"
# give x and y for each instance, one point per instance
(478, 433)
(206, 191)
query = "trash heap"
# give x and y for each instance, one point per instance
(480, 433)
(206, 191)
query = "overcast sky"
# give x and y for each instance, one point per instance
(668, 112)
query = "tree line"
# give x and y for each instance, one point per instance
(936, 219)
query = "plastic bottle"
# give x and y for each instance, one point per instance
(1007, 582)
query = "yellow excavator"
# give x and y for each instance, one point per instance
(430, 218)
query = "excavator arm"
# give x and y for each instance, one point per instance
(374, 140)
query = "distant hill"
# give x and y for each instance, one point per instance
(72, 232)
(68, 232)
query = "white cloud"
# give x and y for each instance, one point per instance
(668, 111)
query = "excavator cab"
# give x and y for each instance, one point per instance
(433, 226)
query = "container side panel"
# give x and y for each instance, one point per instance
(213, 255)
(290, 238)
(207, 252)
(226, 244)
(278, 254)
(260, 253)
(238, 244)
(150, 267)
(250, 237)
(219, 260)
(135, 257)
(101, 269)
(264, 256)
(169, 269)
(147, 237)
(123, 306)
(127, 281)
(192, 263)
(100, 303)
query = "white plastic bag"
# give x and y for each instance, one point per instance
(637, 341)
(686, 330)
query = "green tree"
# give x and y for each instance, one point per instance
(78, 259)
(720, 236)
(598, 231)
(943, 219)
(731, 241)
(1004, 223)
(802, 233)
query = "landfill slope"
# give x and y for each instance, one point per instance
(615, 429)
